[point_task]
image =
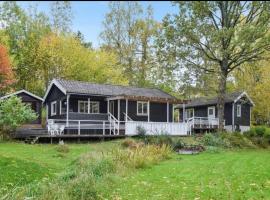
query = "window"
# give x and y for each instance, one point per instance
(142, 108)
(211, 112)
(63, 106)
(189, 113)
(83, 106)
(94, 107)
(238, 110)
(53, 108)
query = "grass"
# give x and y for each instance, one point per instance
(103, 171)
(21, 164)
(243, 174)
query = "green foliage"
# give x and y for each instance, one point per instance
(214, 140)
(237, 140)
(95, 171)
(260, 130)
(141, 132)
(62, 148)
(178, 144)
(14, 113)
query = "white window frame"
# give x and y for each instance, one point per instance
(238, 110)
(91, 102)
(214, 111)
(147, 111)
(82, 101)
(52, 106)
(188, 111)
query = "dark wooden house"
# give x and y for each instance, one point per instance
(203, 111)
(34, 101)
(99, 106)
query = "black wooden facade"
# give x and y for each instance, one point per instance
(232, 119)
(157, 110)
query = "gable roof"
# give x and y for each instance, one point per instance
(229, 98)
(79, 87)
(19, 92)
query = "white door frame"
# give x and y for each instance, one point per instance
(214, 113)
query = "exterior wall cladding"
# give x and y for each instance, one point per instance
(244, 120)
(158, 111)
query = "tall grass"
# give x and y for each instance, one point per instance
(94, 172)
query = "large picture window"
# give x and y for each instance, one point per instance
(142, 108)
(83, 107)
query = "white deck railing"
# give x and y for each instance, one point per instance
(112, 125)
(156, 128)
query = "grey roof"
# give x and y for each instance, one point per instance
(202, 101)
(80, 87)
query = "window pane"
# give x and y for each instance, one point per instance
(211, 111)
(94, 107)
(145, 108)
(140, 108)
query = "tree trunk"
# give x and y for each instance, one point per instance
(221, 98)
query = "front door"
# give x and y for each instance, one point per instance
(111, 107)
(211, 112)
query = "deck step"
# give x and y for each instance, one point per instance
(31, 140)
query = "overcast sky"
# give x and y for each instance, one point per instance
(88, 16)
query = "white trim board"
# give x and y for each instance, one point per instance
(22, 91)
(58, 85)
(244, 94)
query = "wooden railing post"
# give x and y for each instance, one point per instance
(103, 127)
(79, 127)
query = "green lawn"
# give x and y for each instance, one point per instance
(228, 175)
(21, 163)
(243, 174)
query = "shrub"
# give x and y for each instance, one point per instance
(260, 130)
(178, 144)
(260, 141)
(141, 132)
(237, 140)
(159, 140)
(62, 148)
(250, 133)
(14, 113)
(130, 143)
(214, 140)
(267, 135)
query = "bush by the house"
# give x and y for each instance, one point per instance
(141, 132)
(215, 140)
(259, 135)
(237, 140)
(14, 113)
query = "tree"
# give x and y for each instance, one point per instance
(24, 32)
(6, 73)
(61, 13)
(14, 113)
(254, 79)
(80, 37)
(118, 33)
(64, 57)
(218, 37)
